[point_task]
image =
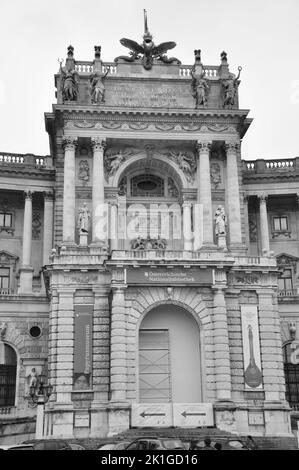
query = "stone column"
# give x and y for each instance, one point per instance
(247, 235)
(221, 343)
(26, 271)
(113, 226)
(118, 361)
(48, 226)
(98, 195)
(264, 229)
(233, 195)
(204, 191)
(69, 190)
(187, 229)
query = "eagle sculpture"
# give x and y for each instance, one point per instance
(147, 51)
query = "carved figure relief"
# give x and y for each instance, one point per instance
(84, 171)
(172, 189)
(149, 243)
(114, 159)
(3, 330)
(122, 187)
(36, 225)
(186, 162)
(215, 175)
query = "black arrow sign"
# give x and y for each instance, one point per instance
(143, 414)
(185, 414)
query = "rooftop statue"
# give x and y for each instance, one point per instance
(147, 51)
(230, 87)
(69, 77)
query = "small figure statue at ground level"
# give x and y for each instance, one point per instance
(230, 86)
(200, 88)
(97, 86)
(220, 221)
(32, 378)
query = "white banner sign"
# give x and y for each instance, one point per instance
(193, 415)
(251, 347)
(152, 414)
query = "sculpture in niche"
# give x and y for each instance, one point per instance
(84, 171)
(230, 87)
(83, 219)
(147, 51)
(3, 330)
(97, 88)
(148, 243)
(200, 87)
(122, 187)
(69, 78)
(220, 221)
(292, 330)
(185, 161)
(172, 189)
(215, 175)
(36, 225)
(32, 378)
(252, 227)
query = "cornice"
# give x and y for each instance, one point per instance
(40, 173)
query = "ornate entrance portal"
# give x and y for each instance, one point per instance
(169, 357)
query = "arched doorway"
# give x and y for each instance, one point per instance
(169, 357)
(8, 373)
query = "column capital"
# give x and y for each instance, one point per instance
(69, 142)
(187, 203)
(203, 146)
(232, 146)
(28, 194)
(48, 196)
(98, 143)
(262, 197)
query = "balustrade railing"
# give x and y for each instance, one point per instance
(264, 166)
(17, 159)
(288, 292)
(88, 67)
(6, 291)
(6, 410)
(210, 71)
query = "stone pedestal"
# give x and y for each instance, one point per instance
(83, 238)
(221, 241)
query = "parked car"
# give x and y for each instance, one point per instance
(227, 443)
(48, 444)
(121, 445)
(17, 447)
(150, 443)
(74, 446)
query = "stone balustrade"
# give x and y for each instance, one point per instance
(288, 292)
(86, 67)
(211, 72)
(265, 166)
(25, 159)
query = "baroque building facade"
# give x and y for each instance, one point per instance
(147, 271)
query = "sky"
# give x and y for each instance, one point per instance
(260, 35)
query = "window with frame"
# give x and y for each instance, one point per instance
(285, 281)
(291, 372)
(5, 219)
(280, 223)
(8, 372)
(4, 278)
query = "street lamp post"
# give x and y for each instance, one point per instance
(39, 395)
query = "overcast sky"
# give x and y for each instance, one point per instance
(260, 35)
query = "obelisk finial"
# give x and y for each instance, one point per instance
(146, 31)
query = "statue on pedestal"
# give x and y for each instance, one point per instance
(220, 221)
(83, 219)
(32, 378)
(69, 78)
(230, 86)
(199, 87)
(97, 86)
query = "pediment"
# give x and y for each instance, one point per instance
(7, 257)
(285, 259)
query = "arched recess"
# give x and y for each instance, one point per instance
(8, 375)
(148, 299)
(157, 165)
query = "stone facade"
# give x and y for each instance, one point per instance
(89, 292)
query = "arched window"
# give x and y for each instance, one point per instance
(8, 373)
(291, 372)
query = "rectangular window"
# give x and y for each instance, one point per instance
(5, 219)
(4, 278)
(285, 281)
(280, 223)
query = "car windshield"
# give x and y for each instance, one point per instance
(172, 444)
